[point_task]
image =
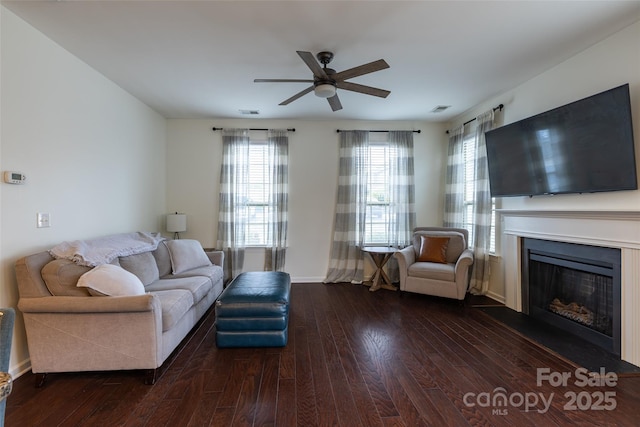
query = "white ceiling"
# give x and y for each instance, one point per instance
(198, 59)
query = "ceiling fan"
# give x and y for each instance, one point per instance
(326, 80)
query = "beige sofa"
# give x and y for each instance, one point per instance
(71, 328)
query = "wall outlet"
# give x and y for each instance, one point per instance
(43, 220)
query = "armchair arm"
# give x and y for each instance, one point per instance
(405, 258)
(64, 304)
(462, 271)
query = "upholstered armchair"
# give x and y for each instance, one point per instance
(438, 263)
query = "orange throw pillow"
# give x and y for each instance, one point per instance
(433, 249)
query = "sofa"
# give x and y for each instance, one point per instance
(129, 313)
(437, 263)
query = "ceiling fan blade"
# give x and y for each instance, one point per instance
(371, 67)
(311, 62)
(282, 81)
(297, 95)
(334, 102)
(368, 90)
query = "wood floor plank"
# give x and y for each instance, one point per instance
(286, 413)
(267, 400)
(235, 380)
(306, 414)
(203, 413)
(353, 378)
(354, 358)
(362, 326)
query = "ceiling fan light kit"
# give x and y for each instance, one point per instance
(326, 81)
(325, 90)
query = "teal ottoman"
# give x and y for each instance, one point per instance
(253, 310)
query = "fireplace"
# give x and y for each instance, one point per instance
(610, 229)
(574, 287)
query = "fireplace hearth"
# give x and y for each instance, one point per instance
(575, 288)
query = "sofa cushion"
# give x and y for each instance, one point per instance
(457, 243)
(175, 303)
(111, 280)
(142, 265)
(433, 270)
(163, 260)
(199, 286)
(186, 254)
(433, 249)
(213, 272)
(61, 277)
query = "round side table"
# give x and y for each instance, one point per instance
(380, 255)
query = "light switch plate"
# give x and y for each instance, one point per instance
(43, 220)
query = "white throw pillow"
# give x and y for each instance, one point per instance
(186, 254)
(111, 280)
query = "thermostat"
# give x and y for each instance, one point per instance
(11, 177)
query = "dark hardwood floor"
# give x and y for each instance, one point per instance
(354, 358)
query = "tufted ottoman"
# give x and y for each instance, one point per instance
(253, 310)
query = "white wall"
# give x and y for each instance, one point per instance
(610, 63)
(194, 155)
(94, 156)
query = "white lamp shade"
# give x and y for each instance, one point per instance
(325, 90)
(176, 223)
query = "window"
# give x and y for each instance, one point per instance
(257, 207)
(380, 156)
(253, 207)
(469, 153)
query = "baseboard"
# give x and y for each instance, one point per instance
(21, 369)
(499, 298)
(307, 279)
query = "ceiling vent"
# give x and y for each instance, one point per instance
(249, 112)
(440, 108)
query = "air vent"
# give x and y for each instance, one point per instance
(440, 108)
(249, 112)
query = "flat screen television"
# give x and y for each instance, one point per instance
(583, 147)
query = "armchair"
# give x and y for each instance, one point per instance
(437, 263)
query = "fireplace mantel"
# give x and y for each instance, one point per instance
(602, 214)
(618, 229)
(615, 229)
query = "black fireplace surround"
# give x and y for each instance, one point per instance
(574, 287)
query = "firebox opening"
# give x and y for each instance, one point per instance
(574, 287)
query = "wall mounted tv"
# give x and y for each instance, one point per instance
(583, 147)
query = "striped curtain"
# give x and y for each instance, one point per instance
(347, 259)
(481, 209)
(402, 215)
(278, 158)
(234, 187)
(454, 184)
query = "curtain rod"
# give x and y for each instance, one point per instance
(342, 130)
(499, 107)
(290, 129)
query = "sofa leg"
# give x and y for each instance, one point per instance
(150, 376)
(40, 378)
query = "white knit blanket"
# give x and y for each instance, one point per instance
(103, 250)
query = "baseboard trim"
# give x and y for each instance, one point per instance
(501, 299)
(307, 279)
(20, 369)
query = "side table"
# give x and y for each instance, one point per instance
(380, 255)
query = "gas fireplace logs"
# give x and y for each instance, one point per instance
(573, 311)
